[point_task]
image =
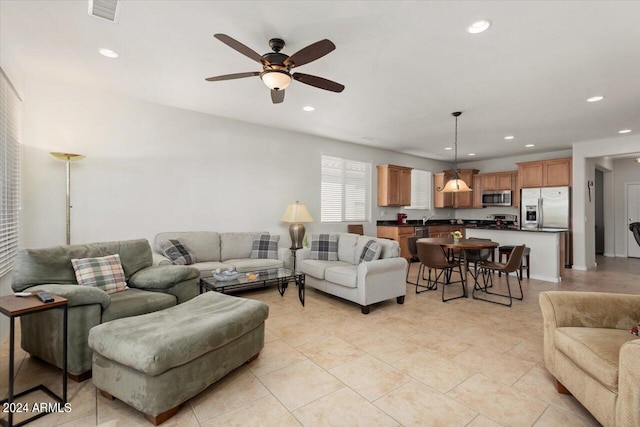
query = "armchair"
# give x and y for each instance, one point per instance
(592, 355)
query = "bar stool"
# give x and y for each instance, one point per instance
(506, 251)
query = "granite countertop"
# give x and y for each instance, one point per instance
(478, 224)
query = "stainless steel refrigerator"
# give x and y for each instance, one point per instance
(548, 207)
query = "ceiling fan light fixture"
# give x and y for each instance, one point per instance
(276, 79)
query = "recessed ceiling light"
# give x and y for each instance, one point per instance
(308, 108)
(478, 27)
(472, 154)
(530, 145)
(509, 137)
(595, 98)
(448, 148)
(625, 131)
(108, 53)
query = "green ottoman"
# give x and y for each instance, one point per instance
(157, 361)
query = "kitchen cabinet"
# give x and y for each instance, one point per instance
(477, 191)
(445, 230)
(545, 173)
(400, 235)
(441, 200)
(454, 200)
(515, 190)
(394, 185)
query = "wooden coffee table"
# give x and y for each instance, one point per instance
(268, 277)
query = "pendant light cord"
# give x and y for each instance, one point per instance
(455, 158)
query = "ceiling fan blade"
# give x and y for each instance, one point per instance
(235, 44)
(310, 53)
(232, 76)
(277, 96)
(318, 82)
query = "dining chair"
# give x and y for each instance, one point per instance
(433, 257)
(355, 229)
(477, 257)
(511, 266)
(413, 252)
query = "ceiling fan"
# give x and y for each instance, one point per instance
(276, 66)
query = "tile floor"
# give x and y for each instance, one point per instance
(424, 363)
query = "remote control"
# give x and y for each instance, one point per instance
(45, 297)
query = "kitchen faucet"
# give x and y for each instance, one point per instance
(427, 218)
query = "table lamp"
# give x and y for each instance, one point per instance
(68, 157)
(296, 214)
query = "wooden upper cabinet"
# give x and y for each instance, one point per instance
(465, 200)
(441, 200)
(504, 181)
(515, 190)
(545, 173)
(488, 181)
(477, 191)
(557, 173)
(394, 185)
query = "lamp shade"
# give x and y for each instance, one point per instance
(276, 79)
(456, 186)
(296, 212)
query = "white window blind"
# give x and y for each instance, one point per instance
(10, 109)
(421, 189)
(345, 190)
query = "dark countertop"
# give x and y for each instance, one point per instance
(479, 224)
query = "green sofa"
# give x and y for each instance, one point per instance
(151, 288)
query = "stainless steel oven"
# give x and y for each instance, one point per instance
(421, 231)
(496, 198)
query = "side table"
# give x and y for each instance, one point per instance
(12, 307)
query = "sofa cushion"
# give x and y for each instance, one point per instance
(204, 245)
(249, 264)
(345, 275)
(389, 248)
(177, 252)
(133, 302)
(347, 248)
(324, 247)
(265, 247)
(237, 245)
(370, 252)
(105, 273)
(316, 268)
(595, 350)
(206, 268)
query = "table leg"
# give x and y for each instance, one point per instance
(65, 328)
(300, 284)
(282, 286)
(12, 334)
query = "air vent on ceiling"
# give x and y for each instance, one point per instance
(105, 9)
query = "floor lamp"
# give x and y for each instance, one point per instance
(68, 157)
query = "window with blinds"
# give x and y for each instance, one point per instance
(345, 190)
(10, 109)
(421, 189)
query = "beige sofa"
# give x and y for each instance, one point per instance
(364, 283)
(220, 250)
(592, 355)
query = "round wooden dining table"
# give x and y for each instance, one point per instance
(463, 245)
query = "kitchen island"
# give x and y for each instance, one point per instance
(547, 248)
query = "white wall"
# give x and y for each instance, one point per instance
(584, 163)
(625, 171)
(151, 168)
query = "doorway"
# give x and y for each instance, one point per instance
(599, 211)
(633, 215)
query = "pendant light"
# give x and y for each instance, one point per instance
(455, 185)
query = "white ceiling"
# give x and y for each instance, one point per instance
(406, 66)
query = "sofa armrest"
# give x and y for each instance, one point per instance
(162, 276)
(628, 402)
(159, 259)
(76, 294)
(381, 266)
(590, 309)
(381, 279)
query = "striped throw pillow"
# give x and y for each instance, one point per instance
(105, 273)
(266, 247)
(324, 247)
(177, 252)
(371, 251)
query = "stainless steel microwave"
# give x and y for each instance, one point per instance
(496, 198)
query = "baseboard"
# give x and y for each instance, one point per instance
(579, 267)
(547, 278)
(607, 254)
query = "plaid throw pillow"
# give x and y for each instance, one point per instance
(105, 273)
(370, 252)
(265, 247)
(177, 252)
(324, 247)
